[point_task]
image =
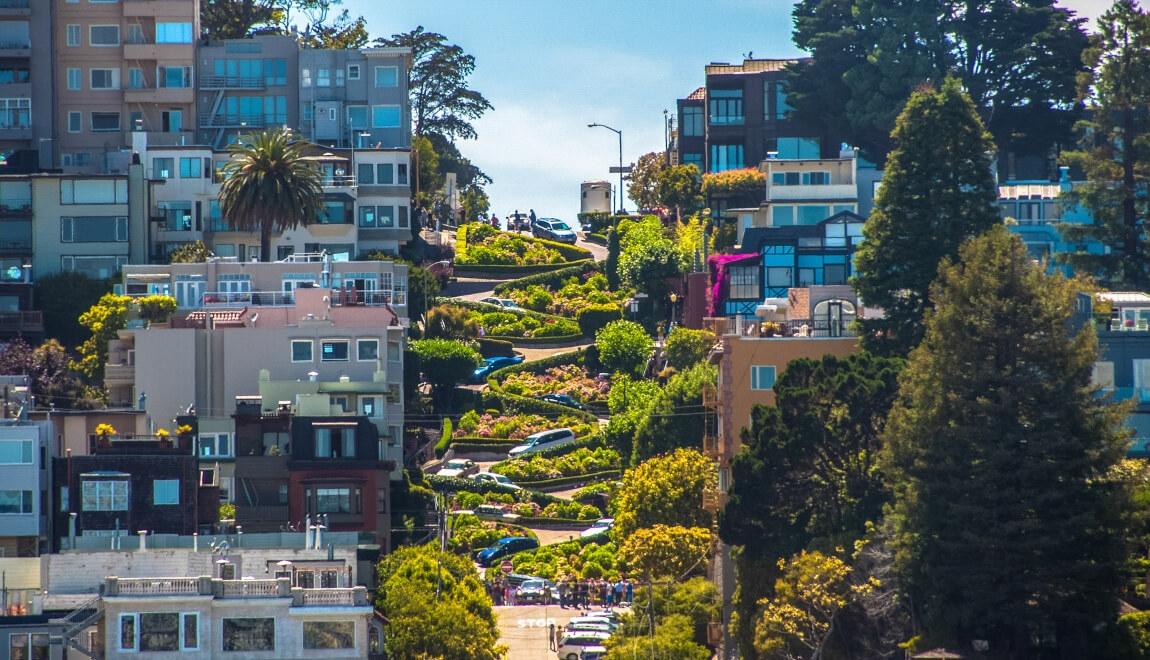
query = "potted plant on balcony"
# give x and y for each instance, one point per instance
(104, 432)
(156, 309)
(164, 437)
(184, 432)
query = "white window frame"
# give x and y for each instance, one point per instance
(135, 647)
(31, 503)
(31, 453)
(212, 440)
(756, 380)
(311, 349)
(376, 402)
(346, 342)
(75, 79)
(92, 43)
(358, 69)
(323, 77)
(79, 121)
(114, 79)
(362, 341)
(73, 30)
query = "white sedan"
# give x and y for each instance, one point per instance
(600, 526)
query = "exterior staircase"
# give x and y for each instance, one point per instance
(79, 620)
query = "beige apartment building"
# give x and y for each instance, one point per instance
(122, 65)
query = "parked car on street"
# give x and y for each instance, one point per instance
(553, 229)
(601, 625)
(459, 467)
(505, 547)
(561, 399)
(575, 645)
(537, 591)
(542, 440)
(491, 364)
(600, 526)
(493, 478)
(505, 303)
(518, 222)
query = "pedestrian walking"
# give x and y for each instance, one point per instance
(551, 639)
(630, 592)
(495, 221)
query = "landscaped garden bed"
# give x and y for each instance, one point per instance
(515, 325)
(581, 462)
(483, 245)
(570, 379)
(487, 427)
(588, 558)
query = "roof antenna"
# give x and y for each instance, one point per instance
(749, 55)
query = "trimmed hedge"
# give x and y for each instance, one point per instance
(528, 405)
(539, 366)
(478, 439)
(601, 239)
(544, 484)
(560, 524)
(445, 484)
(551, 280)
(568, 252)
(600, 221)
(533, 341)
(444, 439)
(592, 318)
(489, 447)
(463, 270)
(489, 347)
(487, 307)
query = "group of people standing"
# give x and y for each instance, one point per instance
(593, 592)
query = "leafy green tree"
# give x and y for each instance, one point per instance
(673, 638)
(808, 475)
(624, 347)
(677, 417)
(190, 253)
(448, 321)
(666, 551)
(681, 187)
(441, 101)
(998, 450)
(269, 186)
(314, 23)
(103, 320)
(59, 295)
(629, 402)
(937, 192)
(474, 201)
(686, 347)
(1018, 59)
(644, 185)
(435, 607)
(445, 362)
(49, 371)
(665, 490)
(1114, 151)
(427, 180)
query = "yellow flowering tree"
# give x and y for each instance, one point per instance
(665, 551)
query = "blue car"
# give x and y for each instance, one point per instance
(491, 364)
(505, 547)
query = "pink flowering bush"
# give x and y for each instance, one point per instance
(515, 427)
(568, 379)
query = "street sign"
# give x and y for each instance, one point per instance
(626, 169)
(506, 567)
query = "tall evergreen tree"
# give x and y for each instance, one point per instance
(998, 448)
(937, 192)
(1114, 151)
(1018, 59)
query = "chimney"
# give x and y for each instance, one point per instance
(143, 540)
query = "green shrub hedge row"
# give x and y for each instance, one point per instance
(445, 484)
(489, 347)
(544, 484)
(444, 439)
(539, 366)
(551, 279)
(485, 307)
(534, 341)
(601, 239)
(463, 270)
(513, 403)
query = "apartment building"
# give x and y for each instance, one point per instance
(355, 98)
(121, 66)
(25, 459)
(26, 104)
(131, 483)
(752, 352)
(93, 224)
(212, 617)
(741, 116)
(246, 85)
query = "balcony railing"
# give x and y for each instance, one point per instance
(250, 589)
(713, 500)
(15, 205)
(796, 328)
(711, 445)
(339, 181)
(157, 586)
(248, 298)
(353, 298)
(14, 44)
(231, 82)
(232, 121)
(332, 597)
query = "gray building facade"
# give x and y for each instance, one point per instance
(246, 85)
(355, 98)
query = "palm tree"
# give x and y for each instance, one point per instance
(270, 185)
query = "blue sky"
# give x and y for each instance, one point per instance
(550, 68)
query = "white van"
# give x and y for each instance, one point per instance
(577, 642)
(543, 440)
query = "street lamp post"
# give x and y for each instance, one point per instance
(620, 134)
